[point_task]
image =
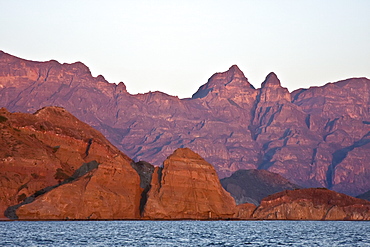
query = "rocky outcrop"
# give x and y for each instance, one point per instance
(316, 137)
(244, 211)
(187, 187)
(106, 193)
(54, 166)
(312, 204)
(251, 186)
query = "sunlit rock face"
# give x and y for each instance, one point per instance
(316, 137)
(245, 211)
(54, 166)
(187, 187)
(312, 204)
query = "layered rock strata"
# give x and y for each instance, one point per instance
(187, 187)
(316, 137)
(54, 166)
(312, 204)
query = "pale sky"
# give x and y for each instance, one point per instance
(175, 46)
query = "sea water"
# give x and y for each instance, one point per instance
(184, 233)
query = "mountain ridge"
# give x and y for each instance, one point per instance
(55, 167)
(310, 136)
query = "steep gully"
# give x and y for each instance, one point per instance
(339, 155)
(145, 171)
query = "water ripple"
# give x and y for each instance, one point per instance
(184, 233)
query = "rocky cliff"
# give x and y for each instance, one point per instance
(53, 166)
(316, 137)
(251, 186)
(187, 187)
(312, 204)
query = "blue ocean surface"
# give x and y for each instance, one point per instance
(184, 233)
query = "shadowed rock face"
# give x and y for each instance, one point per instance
(46, 174)
(365, 196)
(312, 204)
(187, 187)
(252, 186)
(316, 137)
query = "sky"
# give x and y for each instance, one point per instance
(175, 46)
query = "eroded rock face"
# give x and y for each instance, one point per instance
(187, 187)
(316, 137)
(312, 204)
(109, 192)
(251, 186)
(54, 166)
(244, 211)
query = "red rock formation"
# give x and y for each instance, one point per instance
(46, 152)
(312, 204)
(110, 192)
(187, 187)
(316, 137)
(245, 211)
(55, 167)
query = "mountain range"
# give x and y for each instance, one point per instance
(315, 137)
(55, 167)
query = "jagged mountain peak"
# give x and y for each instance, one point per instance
(271, 81)
(232, 80)
(121, 87)
(272, 91)
(234, 70)
(81, 67)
